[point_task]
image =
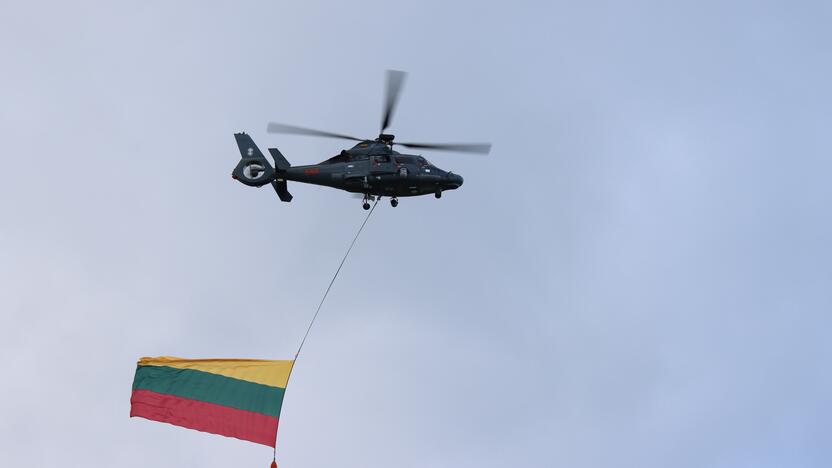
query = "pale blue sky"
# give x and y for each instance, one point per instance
(637, 276)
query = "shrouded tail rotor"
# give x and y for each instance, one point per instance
(254, 169)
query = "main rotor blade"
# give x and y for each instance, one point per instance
(478, 148)
(395, 80)
(274, 127)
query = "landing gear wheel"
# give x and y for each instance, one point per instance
(394, 202)
(438, 193)
(366, 205)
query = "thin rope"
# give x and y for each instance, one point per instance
(326, 293)
(320, 304)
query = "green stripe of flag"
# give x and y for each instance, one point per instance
(210, 388)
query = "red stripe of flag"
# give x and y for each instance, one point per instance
(205, 417)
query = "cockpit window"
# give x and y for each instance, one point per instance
(422, 161)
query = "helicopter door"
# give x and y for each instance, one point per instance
(356, 168)
(382, 164)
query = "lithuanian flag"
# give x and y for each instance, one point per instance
(232, 397)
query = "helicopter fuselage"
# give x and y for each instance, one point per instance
(392, 175)
(369, 168)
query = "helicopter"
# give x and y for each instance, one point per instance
(370, 169)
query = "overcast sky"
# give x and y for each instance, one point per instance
(637, 276)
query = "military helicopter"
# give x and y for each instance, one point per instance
(370, 169)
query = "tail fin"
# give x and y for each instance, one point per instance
(281, 190)
(279, 183)
(253, 169)
(279, 161)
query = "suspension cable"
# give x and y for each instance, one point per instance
(318, 310)
(354, 240)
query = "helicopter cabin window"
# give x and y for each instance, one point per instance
(382, 158)
(422, 161)
(405, 160)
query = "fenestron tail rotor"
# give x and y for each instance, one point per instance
(253, 170)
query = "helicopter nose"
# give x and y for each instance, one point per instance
(453, 181)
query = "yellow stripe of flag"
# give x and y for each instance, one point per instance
(273, 373)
